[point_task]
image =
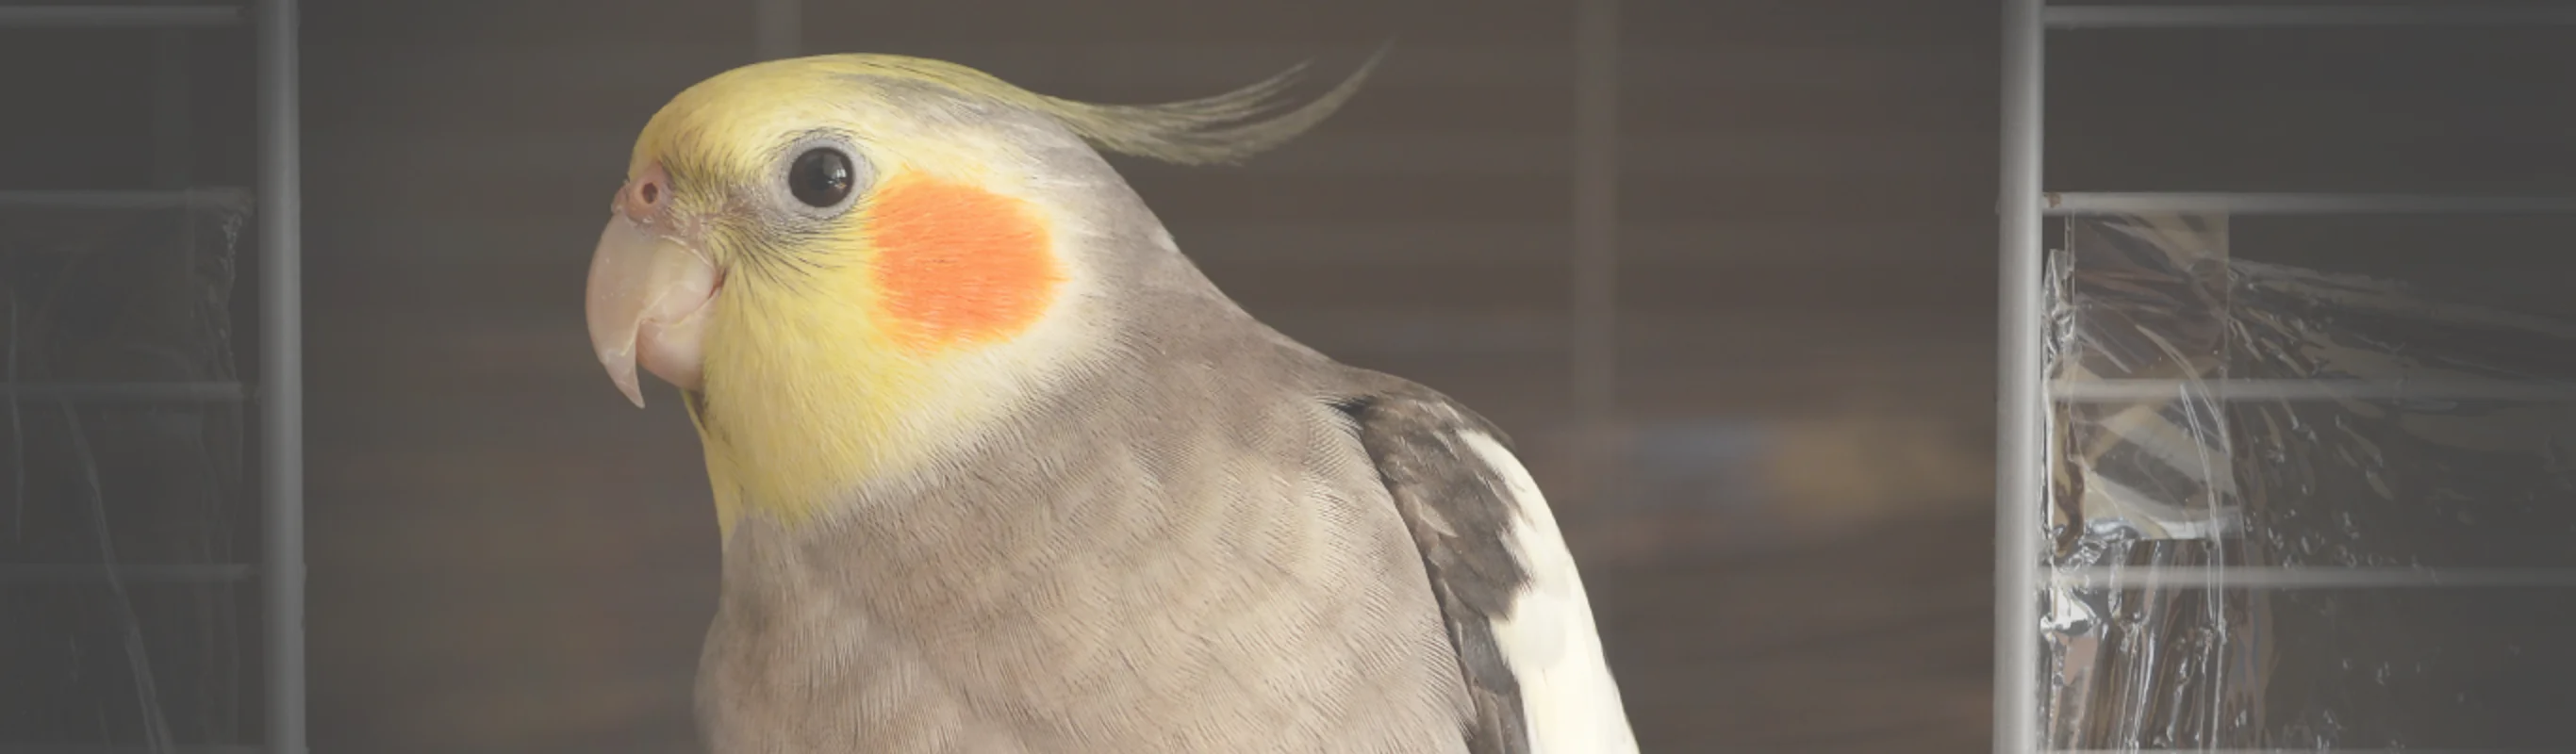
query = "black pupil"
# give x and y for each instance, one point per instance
(820, 178)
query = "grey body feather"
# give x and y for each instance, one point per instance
(1232, 573)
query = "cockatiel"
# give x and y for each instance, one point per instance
(998, 470)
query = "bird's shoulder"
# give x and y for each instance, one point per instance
(1507, 587)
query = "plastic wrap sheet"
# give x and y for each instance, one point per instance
(100, 643)
(2216, 488)
(2146, 482)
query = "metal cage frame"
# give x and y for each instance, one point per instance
(2026, 399)
(277, 210)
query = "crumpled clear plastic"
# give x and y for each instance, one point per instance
(2155, 466)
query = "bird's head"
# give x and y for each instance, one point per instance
(850, 262)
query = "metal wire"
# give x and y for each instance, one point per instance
(53, 16)
(182, 573)
(2125, 391)
(91, 393)
(120, 200)
(2095, 203)
(2243, 16)
(138, 657)
(2314, 577)
(2018, 545)
(778, 28)
(281, 374)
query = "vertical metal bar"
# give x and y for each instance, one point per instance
(281, 373)
(1596, 209)
(779, 27)
(2020, 401)
(1594, 352)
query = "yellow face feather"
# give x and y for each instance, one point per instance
(861, 341)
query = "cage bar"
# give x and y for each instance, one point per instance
(1595, 348)
(2097, 203)
(2300, 751)
(2126, 391)
(91, 393)
(778, 28)
(2022, 572)
(184, 573)
(163, 16)
(122, 749)
(2019, 406)
(2310, 577)
(231, 198)
(281, 375)
(2258, 16)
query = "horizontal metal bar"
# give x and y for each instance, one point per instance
(2252, 16)
(165, 392)
(2126, 391)
(129, 749)
(2299, 751)
(2096, 203)
(232, 198)
(2308, 577)
(150, 16)
(47, 573)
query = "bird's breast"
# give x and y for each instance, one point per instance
(1233, 585)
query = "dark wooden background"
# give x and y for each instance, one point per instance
(505, 557)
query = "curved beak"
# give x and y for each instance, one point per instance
(648, 303)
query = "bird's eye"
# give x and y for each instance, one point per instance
(821, 177)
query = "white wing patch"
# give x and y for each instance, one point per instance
(1568, 698)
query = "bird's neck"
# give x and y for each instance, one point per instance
(805, 402)
(797, 410)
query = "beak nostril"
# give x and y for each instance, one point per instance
(642, 196)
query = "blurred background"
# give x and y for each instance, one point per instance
(1778, 480)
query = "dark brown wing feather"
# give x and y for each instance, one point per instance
(1459, 514)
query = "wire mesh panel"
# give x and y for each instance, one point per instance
(2355, 553)
(150, 558)
(127, 519)
(2269, 489)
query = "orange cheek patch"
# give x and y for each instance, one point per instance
(957, 265)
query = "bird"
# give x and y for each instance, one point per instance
(997, 468)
